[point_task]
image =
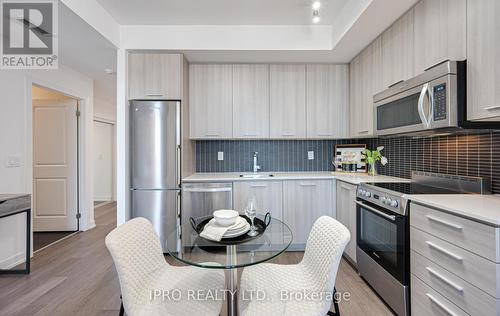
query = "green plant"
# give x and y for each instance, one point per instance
(372, 156)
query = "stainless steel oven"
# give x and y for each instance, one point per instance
(383, 252)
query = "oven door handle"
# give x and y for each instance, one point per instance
(374, 210)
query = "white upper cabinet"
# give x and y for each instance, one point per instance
(483, 60)
(287, 101)
(440, 32)
(397, 51)
(366, 81)
(155, 76)
(327, 101)
(211, 101)
(251, 101)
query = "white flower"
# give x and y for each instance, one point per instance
(383, 161)
(380, 148)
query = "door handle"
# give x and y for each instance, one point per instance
(374, 210)
(154, 94)
(440, 305)
(494, 107)
(445, 280)
(210, 190)
(444, 251)
(443, 222)
(421, 112)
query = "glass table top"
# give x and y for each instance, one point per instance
(197, 251)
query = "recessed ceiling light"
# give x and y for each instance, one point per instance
(315, 16)
(316, 5)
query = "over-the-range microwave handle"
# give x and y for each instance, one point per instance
(426, 120)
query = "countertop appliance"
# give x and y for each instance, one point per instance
(202, 199)
(383, 243)
(432, 102)
(155, 145)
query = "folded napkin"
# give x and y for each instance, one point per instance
(215, 232)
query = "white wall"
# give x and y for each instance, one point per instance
(105, 111)
(16, 140)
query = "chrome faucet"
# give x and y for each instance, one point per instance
(256, 167)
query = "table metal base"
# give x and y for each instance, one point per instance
(232, 282)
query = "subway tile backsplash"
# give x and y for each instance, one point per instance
(469, 154)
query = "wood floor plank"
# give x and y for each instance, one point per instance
(76, 277)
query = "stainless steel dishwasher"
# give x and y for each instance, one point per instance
(202, 199)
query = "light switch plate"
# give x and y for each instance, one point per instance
(220, 155)
(310, 155)
(13, 161)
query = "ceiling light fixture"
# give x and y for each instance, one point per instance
(316, 5)
(315, 16)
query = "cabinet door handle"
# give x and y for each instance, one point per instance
(287, 134)
(210, 135)
(444, 251)
(258, 186)
(305, 184)
(154, 94)
(494, 107)
(440, 305)
(443, 222)
(250, 134)
(445, 280)
(363, 131)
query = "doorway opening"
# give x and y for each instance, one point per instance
(55, 166)
(104, 162)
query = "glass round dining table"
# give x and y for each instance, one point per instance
(194, 250)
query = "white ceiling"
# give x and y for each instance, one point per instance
(220, 12)
(83, 49)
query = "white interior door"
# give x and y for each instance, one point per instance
(103, 161)
(55, 143)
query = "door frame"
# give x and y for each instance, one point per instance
(84, 156)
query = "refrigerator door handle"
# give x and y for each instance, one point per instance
(178, 140)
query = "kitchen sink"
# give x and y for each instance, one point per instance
(256, 175)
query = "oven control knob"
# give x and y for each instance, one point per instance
(361, 192)
(383, 199)
(388, 201)
(368, 194)
(394, 203)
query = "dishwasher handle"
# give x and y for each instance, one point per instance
(208, 190)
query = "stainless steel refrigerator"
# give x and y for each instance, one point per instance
(155, 164)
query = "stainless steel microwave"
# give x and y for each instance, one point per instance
(432, 102)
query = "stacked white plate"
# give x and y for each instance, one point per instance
(237, 229)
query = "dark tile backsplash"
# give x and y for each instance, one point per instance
(469, 154)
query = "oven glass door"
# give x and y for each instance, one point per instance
(383, 236)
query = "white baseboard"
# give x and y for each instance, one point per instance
(13, 261)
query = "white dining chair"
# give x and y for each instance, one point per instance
(274, 289)
(149, 285)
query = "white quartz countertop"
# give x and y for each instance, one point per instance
(481, 208)
(350, 178)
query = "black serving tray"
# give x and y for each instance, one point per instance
(260, 226)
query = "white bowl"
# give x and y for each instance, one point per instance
(226, 217)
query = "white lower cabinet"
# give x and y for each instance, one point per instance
(268, 195)
(304, 201)
(454, 271)
(346, 214)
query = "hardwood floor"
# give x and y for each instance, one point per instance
(76, 277)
